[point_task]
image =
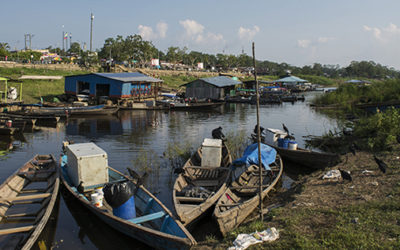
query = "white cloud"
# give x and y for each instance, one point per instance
(248, 34)
(192, 28)
(324, 39)
(303, 43)
(384, 34)
(377, 32)
(162, 28)
(209, 38)
(392, 29)
(196, 32)
(147, 33)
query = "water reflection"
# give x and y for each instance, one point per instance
(10, 143)
(94, 233)
(93, 127)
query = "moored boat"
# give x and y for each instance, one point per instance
(153, 224)
(194, 105)
(21, 220)
(201, 181)
(242, 196)
(300, 156)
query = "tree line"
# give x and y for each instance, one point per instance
(135, 51)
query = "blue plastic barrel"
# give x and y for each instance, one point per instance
(283, 143)
(127, 210)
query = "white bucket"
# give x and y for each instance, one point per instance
(97, 199)
(292, 145)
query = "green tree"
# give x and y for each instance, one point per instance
(75, 48)
(4, 47)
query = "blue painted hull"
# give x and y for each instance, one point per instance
(161, 232)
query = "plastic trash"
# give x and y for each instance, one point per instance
(331, 174)
(243, 241)
(117, 194)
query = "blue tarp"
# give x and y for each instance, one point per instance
(250, 156)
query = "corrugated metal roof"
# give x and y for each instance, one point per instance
(219, 81)
(290, 79)
(129, 77)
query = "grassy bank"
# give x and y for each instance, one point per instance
(349, 94)
(334, 214)
(32, 90)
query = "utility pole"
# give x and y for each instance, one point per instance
(25, 36)
(63, 38)
(91, 30)
(70, 39)
(260, 166)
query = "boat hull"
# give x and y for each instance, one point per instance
(149, 236)
(42, 168)
(214, 180)
(232, 209)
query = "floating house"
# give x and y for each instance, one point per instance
(210, 88)
(112, 85)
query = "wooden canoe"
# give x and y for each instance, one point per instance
(195, 106)
(27, 199)
(154, 225)
(305, 157)
(208, 183)
(242, 196)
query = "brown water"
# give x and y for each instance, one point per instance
(133, 135)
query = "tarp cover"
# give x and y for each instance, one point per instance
(250, 156)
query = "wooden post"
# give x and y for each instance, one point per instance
(258, 136)
(20, 93)
(6, 94)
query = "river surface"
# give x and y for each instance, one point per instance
(138, 139)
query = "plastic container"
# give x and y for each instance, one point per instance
(101, 194)
(88, 163)
(211, 150)
(283, 143)
(97, 199)
(292, 145)
(127, 210)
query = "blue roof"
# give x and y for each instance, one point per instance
(290, 79)
(129, 77)
(219, 81)
(356, 81)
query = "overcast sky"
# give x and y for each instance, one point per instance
(298, 32)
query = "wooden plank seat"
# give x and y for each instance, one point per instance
(194, 199)
(249, 187)
(206, 183)
(37, 172)
(148, 217)
(16, 230)
(26, 197)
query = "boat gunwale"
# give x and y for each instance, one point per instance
(189, 241)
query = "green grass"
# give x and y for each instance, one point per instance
(32, 90)
(176, 81)
(16, 72)
(348, 94)
(372, 225)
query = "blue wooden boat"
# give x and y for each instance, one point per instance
(154, 224)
